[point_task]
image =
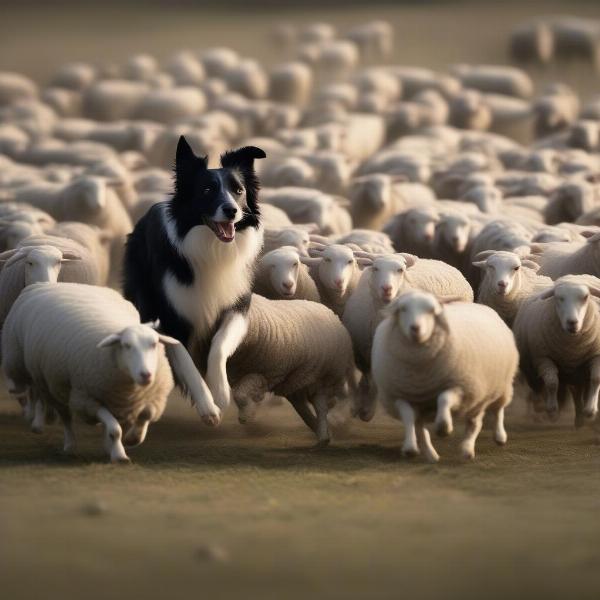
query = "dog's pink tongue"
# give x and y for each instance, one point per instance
(228, 229)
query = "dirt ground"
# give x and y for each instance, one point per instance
(256, 512)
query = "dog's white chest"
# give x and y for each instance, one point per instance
(222, 273)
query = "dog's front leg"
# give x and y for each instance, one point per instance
(230, 334)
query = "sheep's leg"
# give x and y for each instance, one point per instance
(302, 407)
(424, 441)
(136, 434)
(472, 430)
(224, 343)
(365, 408)
(39, 415)
(593, 388)
(446, 401)
(578, 394)
(320, 402)
(69, 435)
(410, 447)
(500, 435)
(548, 372)
(112, 436)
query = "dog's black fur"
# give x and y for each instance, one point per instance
(201, 194)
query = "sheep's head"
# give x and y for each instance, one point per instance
(387, 275)
(502, 270)
(92, 192)
(15, 231)
(372, 191)
(416, 314)
(455, 230)
(336, 266)
(137, 351)
(283, 265)
(571, 300)
(41, 264)
(487, 198)
(421, 223)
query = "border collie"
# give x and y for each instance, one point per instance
(189, 261)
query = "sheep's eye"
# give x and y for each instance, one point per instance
(586, 297)
(327, 260)
(127, 346)
(296, 264)
(375, 270)
(154, 344)
(350, 261)
(400, 270)
(29, 263)
(517, 267)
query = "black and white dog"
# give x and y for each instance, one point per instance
(190, 260)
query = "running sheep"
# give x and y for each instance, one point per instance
(431, 358)
(82, 350)
(558, 336)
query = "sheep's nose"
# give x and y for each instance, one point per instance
(339, 283)
(145, 377)
(288, 285)
(387, 290)
(572, 324)
(428, 236)
(230, 212)
(502, 285)
(415, 329)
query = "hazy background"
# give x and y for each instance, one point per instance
(256, 512)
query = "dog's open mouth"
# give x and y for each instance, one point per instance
(224, 230)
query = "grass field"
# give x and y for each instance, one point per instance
(256, 512)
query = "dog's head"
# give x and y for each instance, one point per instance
(224, 199)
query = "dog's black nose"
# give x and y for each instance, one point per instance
(230, 212)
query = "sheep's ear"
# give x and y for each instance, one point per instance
(19, 255)
(8, 254)
(242, 157)
(70, 255)
(594, 291)
(530, 264)
(105, 236)
(399, 178)
(546, 294)
(113, 182)
(319, 239)
(595, 238)
(316, 246)
(536, 248)
(364, 262)
(523, 251)
(153, 324)
(484, 254)
(167, 340)
(411, 259)
(310, 228)
(109, 340)
(341, 201)
(480, 264)
(449, 299)
(588, 233)
(310, 260)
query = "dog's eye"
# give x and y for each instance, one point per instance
(239, 191)
(207, 190)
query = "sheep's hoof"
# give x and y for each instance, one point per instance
(443, 429)
(322, 443)
(37, 429)
(553, 415)
(211, 420)
(432, 458)
(590, 414)
(120, 460)
(501, 438)
(468, 453)
(410, 452)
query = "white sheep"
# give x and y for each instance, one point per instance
(574, 258)
(291, 83)
(82, 349)
(558, 336)
(291, 235)
(280, 275)
(74, 76)
(375, 40)
(248, 78)
(495, 79)
(373, 201)
(305, 356)
(532, 42)
(170, 105)
(453, 234)
(413, 230)
(113, 99)
(336, 272)
(14, 87)
(304, 205)
(185, 68)
(433, 358)
(508, 281)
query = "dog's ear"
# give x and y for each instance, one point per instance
(185, 157)
(242, 158)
